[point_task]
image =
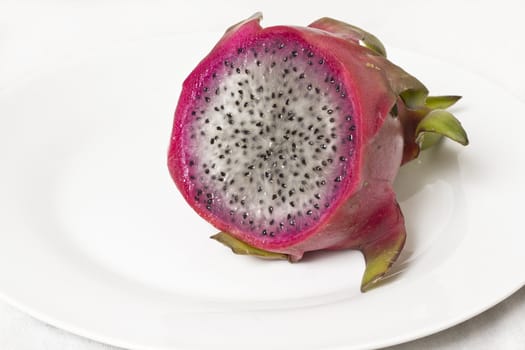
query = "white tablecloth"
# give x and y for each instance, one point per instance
(485, 37)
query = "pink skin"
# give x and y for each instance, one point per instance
(366, 215)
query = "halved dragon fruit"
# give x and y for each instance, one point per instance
(287, 139)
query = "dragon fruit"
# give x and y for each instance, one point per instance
(287, 140)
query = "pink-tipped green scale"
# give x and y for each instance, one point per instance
(287, 140)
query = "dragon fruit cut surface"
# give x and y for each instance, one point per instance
(287, 140)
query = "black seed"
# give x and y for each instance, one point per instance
(338, 179)
(270, 209)
(264, 232)
(308, 212)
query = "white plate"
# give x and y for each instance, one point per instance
(95, 239)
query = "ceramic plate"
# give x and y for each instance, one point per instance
(95, 239)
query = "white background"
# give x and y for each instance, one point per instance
(485, 37)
